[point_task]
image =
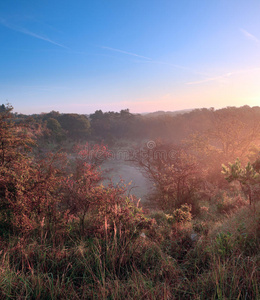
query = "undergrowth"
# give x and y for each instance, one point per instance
(159, 261)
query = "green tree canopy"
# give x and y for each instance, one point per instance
(77, 126)
(248, 177)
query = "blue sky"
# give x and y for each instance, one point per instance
(80, 56)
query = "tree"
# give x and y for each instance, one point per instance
(29, 187)
(14, 141)
(248, 177)
(14, 147)
(56, 131)
(173, 170)
(82, 187)
(35, 197)
(3, 108)
(77, 126)
(108, 205)
(111, 125)
(231, 133)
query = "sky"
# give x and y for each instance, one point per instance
(80, 56)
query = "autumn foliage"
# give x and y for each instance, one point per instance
(44, 193)
(66, 234)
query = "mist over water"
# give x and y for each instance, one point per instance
(117, 170)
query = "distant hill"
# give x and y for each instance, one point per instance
(169, 113)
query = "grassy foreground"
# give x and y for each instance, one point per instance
(214, 256)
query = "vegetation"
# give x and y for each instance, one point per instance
(64, 234)
(249, 177)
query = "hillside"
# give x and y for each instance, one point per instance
(65, 233)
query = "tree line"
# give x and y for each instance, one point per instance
(199, 141)
(242, 124)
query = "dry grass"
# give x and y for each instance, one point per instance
(163, 264)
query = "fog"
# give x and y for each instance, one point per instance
(117, 170)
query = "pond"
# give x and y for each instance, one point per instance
(117, 170)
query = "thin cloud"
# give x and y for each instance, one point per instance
(27, 32)
(41, 38)
(180, 67)
(217, 78)
(250, 36)
(150, 60)
(221, 77)
(125, 52)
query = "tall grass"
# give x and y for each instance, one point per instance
(162, 263)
